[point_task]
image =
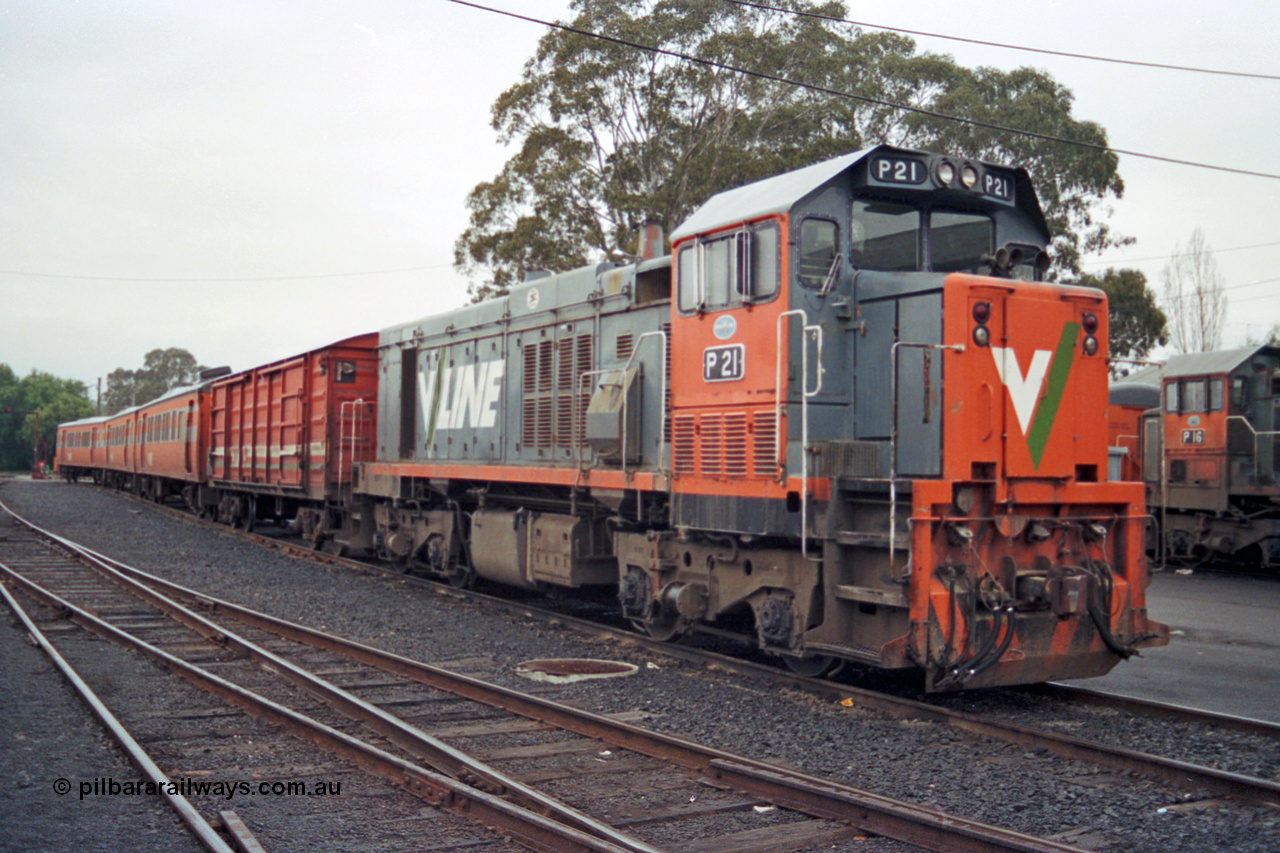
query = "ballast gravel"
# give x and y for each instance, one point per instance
(1076, 803)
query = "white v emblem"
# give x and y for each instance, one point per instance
(1023, 390)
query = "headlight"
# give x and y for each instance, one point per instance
(946, 173)
(968, 176)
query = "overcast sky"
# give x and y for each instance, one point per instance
(335, 142)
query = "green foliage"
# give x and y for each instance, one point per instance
(162, 370)
(1136, 323)
(56, 400)
(608, 136)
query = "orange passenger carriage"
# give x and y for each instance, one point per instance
(80, 447)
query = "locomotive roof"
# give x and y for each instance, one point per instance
(782, 192)
(1208, 363)
(761, 198)
(1134, 394)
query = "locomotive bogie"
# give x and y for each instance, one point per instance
(668, 584)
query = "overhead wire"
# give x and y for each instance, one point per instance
(1117, 261)
(241, 280)
(1045, 137)
(983, 43)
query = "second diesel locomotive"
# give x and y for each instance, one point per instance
(846, 416)
(1207, 449)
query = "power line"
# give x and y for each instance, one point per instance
(1119, 261)
(865, 99)
(131, 280)
(982, 43)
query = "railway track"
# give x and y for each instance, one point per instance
(535, 769)
(1187, 776)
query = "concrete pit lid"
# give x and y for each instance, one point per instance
(569, 670)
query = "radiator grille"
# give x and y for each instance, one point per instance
(684, 434)
(554, 404)
(735, 444)
(765, 455)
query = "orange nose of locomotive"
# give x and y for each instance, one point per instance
(1028, 564)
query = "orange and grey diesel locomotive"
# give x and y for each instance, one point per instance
(845, 417)
(1207, 451)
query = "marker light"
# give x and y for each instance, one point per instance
(982, 336)
(946, 173)
(982, 311)
(1091, 323)
(1091, 345)
(968, 176)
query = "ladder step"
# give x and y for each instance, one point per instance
(858, 539)
(887, 597)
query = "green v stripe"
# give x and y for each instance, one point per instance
(1063, 358)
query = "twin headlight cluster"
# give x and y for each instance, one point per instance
(982, 334)
(946, 173)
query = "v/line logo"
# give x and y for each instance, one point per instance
(464, 396)
(1036, 414)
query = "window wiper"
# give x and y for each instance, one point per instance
(830, 280)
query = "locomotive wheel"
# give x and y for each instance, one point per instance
(813, 666)
(246, 519)
(461, 577)
(662, 629)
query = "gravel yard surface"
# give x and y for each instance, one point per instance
(985, 780)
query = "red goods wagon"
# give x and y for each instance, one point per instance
(287, 434)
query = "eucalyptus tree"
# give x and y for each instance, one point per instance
(645, 108)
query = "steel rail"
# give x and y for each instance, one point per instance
(1181, 774)
(529, 827)
(438, 754)
(822, 798)
(1151, 708)
(187, 813)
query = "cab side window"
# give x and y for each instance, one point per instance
(729, 270)
(818, 251)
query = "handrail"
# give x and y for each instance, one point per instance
(893, 443)
(805, 395)
(355, 434)
(662, 396)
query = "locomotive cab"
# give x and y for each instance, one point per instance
(1215, 459)
(860, 369)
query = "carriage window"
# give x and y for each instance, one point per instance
(817, 251)
(1171, 397)
(885, 237)
(958, 241)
